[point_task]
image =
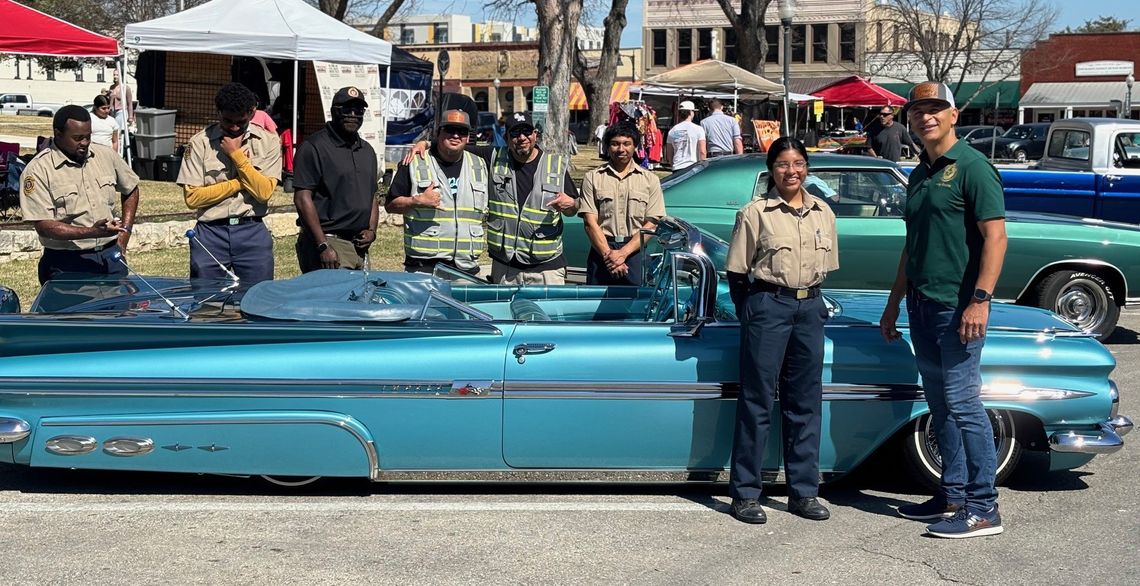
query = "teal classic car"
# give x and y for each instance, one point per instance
(1084, 270)
(392, 375)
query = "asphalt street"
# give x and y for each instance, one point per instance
(69, 527)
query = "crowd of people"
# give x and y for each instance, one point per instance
(460, 201)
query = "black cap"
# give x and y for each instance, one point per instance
(518, 119)
(347, 95)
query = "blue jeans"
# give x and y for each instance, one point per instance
(952, 381)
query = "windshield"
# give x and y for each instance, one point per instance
(684, 175)
(1019, 132)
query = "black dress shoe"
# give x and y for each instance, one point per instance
(808, 508)
(748, 511)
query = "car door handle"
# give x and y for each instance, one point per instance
(522, 350)
(1113, 177)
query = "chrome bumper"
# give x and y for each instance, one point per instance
(13, 430)
(1105, 441)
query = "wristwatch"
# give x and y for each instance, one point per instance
(323, 246)
(981, 295)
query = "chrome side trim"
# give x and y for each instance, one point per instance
(128, 446)
(572, 475)
(1088, 261)
(13, 430)
(1104, 441)
(235, 387)
(71, 445)
(345, 422)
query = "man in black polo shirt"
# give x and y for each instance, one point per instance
(335, 176)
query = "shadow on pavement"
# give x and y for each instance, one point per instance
(1123, 335)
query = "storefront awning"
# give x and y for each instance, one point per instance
(1095, 94)
(619, 93)
(1008, 89)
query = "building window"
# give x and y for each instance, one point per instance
(407, 36)
(704, 43)
(508, 100)
(772, 39)
(441, 33)
(496, 37)
(659, 49)
(684, 46)
(819, 43)
(481, 103)
(799, 43)
(730, 45)
(847, 41)
(530, 100)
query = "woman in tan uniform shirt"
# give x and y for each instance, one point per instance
(782, 247)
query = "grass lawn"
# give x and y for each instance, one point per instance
(387, 254)
(32, 126)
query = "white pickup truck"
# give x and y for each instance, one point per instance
(23, 105)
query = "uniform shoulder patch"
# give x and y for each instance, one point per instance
(29, 185)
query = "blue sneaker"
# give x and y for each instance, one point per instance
(966, 524)
(935, 508)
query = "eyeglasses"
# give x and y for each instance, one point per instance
(351, 110)
(784, 165)
(455, 130)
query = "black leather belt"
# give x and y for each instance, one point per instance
(233, 221)
(766, 287)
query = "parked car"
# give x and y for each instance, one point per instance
(969, 133)
(1091, 168)
(582, 132)
(483, 131)
(390, 375)
(22, 104)
(1085, 270)
(1020, 143)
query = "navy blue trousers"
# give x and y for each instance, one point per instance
(781, 352)
(247, 249)
(598, 274)
(102, 262)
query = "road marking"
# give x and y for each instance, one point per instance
(357, 507)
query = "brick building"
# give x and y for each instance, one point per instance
(1075, 75)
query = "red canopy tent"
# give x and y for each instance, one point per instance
(28, 31)
(856, 91)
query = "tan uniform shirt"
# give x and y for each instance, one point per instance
(622, 204)
(205, 164)
(774, 242)
(57, 188)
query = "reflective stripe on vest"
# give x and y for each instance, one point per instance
(453, 231)
(531, 234)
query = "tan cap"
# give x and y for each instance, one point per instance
(929, 91)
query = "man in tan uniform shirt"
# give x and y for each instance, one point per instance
(228, 175)
(619, 199)
(69, 194)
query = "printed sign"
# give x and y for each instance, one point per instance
(1097, 68)
(541, 98)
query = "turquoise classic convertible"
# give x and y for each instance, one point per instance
(393, 375)
(1084, 270)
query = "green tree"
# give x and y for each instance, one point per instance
(1102, 24)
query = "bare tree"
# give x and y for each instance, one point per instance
(951, 40)
(597, 83)
(751, 46)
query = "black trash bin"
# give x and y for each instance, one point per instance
(166, 168)
(144, 168)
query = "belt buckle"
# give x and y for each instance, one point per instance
(802, 294)
(234, 221)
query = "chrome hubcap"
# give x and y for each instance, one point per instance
(1002, 426)
(1084, 303)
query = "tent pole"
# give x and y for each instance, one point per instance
(735, 99)
(122, 65)
(384, 97)
(296, 82)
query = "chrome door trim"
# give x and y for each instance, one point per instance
(242, 388)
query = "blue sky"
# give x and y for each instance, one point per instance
(1072, 13)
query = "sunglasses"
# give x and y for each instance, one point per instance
(521, 131)
(886, 113)
(455, 130)
(351, 110)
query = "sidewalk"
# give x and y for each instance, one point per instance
(26, 142)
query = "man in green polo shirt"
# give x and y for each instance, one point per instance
(955, 245)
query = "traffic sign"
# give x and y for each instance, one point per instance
(540, 97)
(443, 62)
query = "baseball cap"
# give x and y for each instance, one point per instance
(929, 91)
(519, 119)
(348, 94)
(687, 105)
(455, 118)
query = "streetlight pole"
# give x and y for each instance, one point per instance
(1128, 81)
(498, 103)
(787, 10)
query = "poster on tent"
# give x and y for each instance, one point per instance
(333, 76)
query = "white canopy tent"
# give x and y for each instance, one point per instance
(715, 76)
(271, 29)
